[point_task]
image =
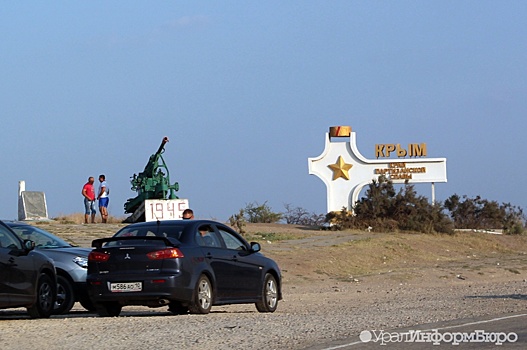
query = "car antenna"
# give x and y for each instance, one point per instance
(158, 222)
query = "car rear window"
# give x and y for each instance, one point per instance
(173, 231)
(135, 243)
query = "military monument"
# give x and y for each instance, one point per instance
(156, 198)
(345, 171)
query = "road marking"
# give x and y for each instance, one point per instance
(478, 322)
(428, 330)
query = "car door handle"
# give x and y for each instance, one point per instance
(234, 258)
(208, 256)
(12, 262)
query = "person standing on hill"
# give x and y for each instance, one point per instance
(89, 200)
(103, 198)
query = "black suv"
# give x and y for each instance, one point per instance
(27, 277)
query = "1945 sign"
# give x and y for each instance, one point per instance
(164, 209)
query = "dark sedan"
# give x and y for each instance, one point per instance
(187, 265)
(71, 263)
(27, 278)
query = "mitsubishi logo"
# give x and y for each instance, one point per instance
(127, 256)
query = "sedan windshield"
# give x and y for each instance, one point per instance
(42, 239)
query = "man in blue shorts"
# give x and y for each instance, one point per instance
(103, 198)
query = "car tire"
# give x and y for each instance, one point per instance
(65, 296)
(203, 296)
(45, 299)
(269, 298)
(108, 309)
(177, 308)
(87, 304)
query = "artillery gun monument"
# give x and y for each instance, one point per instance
(156, 198)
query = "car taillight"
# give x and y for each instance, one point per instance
(169, 253)
(98, 256)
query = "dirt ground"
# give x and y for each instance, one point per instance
(309, 256)
(335, 285)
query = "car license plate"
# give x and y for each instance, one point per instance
(126, 287)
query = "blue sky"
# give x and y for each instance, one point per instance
(247, 90)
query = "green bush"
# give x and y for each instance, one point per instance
(384, 209)
(478, 213)
(261, 213)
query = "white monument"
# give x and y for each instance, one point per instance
(31, 205)
(345, 171)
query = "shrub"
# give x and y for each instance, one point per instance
(478, 213)
(261, 213)
(238, 221)
(300, 216)
(385, 209)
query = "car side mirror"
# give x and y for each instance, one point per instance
(255, 247)
(29, 244)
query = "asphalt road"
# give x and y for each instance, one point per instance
(482, 333)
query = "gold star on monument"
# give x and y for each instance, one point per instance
(340, 169)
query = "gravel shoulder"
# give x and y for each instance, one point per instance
(318, 305)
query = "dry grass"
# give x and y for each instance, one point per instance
(272, 236)
(305, 254)
(78, 218)
(406, 254)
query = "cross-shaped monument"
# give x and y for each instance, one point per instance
(345, 171)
